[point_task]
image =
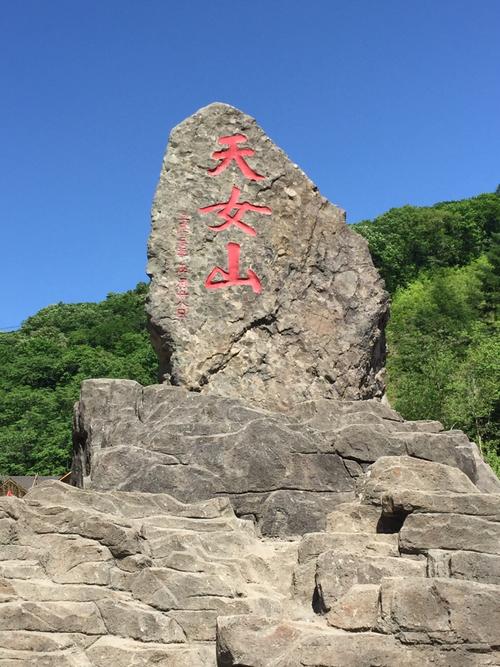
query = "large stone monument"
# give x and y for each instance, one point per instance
(262, 506)
(259, 289)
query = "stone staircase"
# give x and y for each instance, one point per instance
(406, 574)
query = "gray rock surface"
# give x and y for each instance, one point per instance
(285, 470)
(381, 605)
(316, 323)
(440, 611)
(72, 591)
(98, 578)
(486, 478)
(397, 473)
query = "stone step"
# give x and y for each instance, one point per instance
(265, 642)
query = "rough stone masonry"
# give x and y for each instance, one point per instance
(259, 289)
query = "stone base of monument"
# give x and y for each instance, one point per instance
(283, 470)
(408, 573)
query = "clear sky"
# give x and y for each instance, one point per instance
(382, 102)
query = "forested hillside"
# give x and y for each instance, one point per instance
(441, 265)
(42, 365)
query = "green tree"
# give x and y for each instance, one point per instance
(442, 266)
(43, 364)
(404, 241)
(490, 278)
(472, 400)
(444, 356)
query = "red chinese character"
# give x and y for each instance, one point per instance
(224, 210)
(232, 276)
(234, 153)
(181, 288)
(182, 247)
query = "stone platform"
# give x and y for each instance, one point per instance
(408, 573)
(286, 470)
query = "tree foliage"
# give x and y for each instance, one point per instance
(407, 240)
(442, 265)
(43, 364)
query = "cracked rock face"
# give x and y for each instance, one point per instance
(312, 312)
(128, 579)
(285, 471)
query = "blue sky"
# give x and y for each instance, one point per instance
(382, 103)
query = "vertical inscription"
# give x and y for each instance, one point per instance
(232, 212)
(182, 269)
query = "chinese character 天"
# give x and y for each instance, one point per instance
(236, 155)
